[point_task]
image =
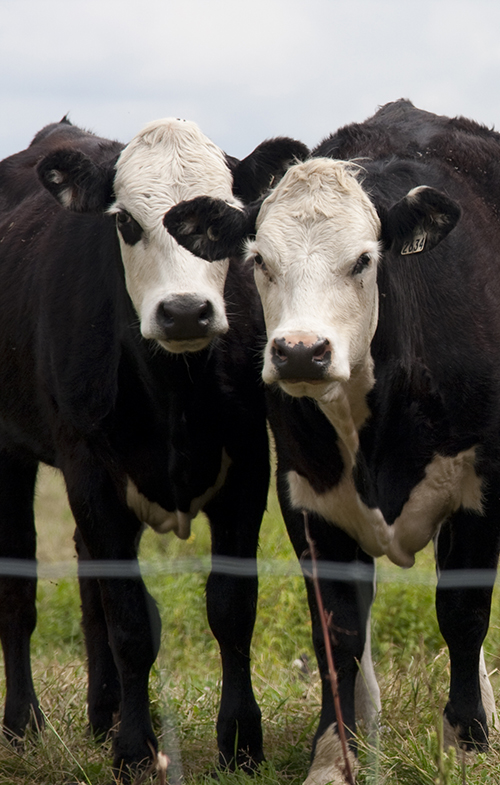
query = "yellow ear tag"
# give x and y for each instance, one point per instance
(416, 244)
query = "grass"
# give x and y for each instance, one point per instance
(411, 662)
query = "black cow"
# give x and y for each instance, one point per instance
(377, 266)
(88, 295)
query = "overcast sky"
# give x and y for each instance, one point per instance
(244, 70)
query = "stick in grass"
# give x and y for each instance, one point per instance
(325, 623)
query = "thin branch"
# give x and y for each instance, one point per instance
(325, 621)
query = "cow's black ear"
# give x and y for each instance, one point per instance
(211, 228)
(77, 182)
(419, 221)
(265, 166)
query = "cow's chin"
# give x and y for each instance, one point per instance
(312, 388)
(182, 347)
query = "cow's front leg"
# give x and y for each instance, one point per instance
(235, 518)
(109, 531)
(346, 602)
(468, 542)
(18, 594)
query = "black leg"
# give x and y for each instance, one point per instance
(235, 517)
(471, 542)
(18, 594)
(348, 602)
(103, 694)
(109, 531)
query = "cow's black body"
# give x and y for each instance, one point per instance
(436, 355)
(437, 390)
(81, 390)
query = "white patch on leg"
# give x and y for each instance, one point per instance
(487, 695)
(450, 738)
(449, 482)
(367, 701)
(328, 765)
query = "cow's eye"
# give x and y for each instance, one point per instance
(361, 264)
(259, 262)
(123, 218)
(128, 227)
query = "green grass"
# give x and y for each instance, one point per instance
(411, 662)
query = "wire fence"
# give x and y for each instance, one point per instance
(354, 571)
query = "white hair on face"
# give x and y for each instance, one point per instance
(311, 230)
(168, 162)
(312, 188)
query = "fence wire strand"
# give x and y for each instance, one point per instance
(354, 571)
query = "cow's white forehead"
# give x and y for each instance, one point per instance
(169, 161)
(319, 189)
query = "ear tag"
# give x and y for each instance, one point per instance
(416, 244)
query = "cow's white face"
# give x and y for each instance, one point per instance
(179, 298)
(316, 252)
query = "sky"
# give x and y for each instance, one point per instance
(244, 70)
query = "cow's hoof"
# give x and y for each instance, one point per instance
(329, 764)
(470, 736)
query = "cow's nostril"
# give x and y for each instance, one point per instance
(279, 349)
(320, 350)
(205, 313)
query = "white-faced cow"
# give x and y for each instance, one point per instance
(97, 302)
(377, 266)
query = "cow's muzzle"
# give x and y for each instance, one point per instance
(299, 360)
(185, 318)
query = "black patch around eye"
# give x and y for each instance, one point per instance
(361, 264)
(128, 227)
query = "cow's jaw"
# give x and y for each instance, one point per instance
(179, 298)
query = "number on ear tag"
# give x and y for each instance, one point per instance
(416, 244)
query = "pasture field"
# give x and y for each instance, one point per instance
(409, 653)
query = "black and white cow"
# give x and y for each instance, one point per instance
(120, 365)
(377, 266)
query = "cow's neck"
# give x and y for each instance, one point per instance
(346, 409)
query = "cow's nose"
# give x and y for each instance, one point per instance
(299, 360)
(184, 317)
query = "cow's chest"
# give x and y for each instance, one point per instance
(364, 508)
(172, 455)
(177, 520)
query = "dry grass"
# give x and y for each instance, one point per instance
(185, 682)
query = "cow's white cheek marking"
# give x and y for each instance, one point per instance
(449, 483)
(163, 521)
